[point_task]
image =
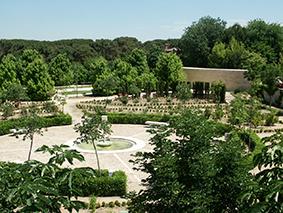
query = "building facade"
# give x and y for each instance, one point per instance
(232, 78)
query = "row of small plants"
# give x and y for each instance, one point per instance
(59, 119)
(94, 204)
(9, 109)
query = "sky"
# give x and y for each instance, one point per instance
(108, 19)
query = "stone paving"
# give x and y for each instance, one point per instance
(16, 150)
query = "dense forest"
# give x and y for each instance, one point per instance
(209, 42)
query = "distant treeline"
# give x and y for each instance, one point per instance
(206, 43)
(129, 66)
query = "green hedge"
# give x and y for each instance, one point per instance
(55, 120)
(103, 185)
(136, 118)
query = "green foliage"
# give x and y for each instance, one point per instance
(169, 72)
(183, 92)
(245, 110)
(192, 173)
(40, 86)
(34, 186)
(265, 39)
(266, 194)
(7, 109)
(147, 81)
(14, 92)
(106, 84)
(138, 59)
(271, 118)
(98, 184)
(218, 90)
(124, 100)
(60, 70)
(92, 129)
(54, 120)
(8, 71)
(135, 118)
(232, 56)
(199, 39)
(128, 77)
(92, 203)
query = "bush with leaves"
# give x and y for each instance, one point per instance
(34, 186)
(192, 173)
(266, 194)
(218, 90)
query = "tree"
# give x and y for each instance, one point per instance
(60, 70)
(138, 59)
(169, 72)
(186, 174)
(266, 39)
(269, 77)
(34, 75)
(199, 39)
(33, 125)
(231, 56)
(106, 84)
(96, 67)
(147, 82)
(254, 63)
(91, 130)
(27, 57)
(265, 195)
(8, 71)
(40, 87)
(128, 77)
(15, 92)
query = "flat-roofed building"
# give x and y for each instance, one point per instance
(232, 78)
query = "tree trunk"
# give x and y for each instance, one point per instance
(97, 159)
(30, 147)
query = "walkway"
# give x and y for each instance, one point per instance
(16, 150)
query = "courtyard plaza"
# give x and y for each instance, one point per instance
(16, 150)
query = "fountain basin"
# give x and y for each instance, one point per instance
(118, 144)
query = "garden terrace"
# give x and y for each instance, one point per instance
(160, 105)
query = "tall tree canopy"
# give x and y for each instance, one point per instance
(199, 39)
(60, 70)
(169, 72)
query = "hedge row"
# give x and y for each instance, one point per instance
(136, 118)
(85, 181)
(54, 120)
(98, 185)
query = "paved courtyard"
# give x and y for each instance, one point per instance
(16, 150)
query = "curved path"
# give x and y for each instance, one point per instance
(16, 150)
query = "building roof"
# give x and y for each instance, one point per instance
(214, 69)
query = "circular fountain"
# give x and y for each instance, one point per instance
(113, 144)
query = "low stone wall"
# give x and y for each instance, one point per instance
(233, 78)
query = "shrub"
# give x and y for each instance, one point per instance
(218, 90)
(92, 203)
(54, 120)
(249, 138)
(124, 100)
(271, 118)
(111, 204)
(117, 203)
(103, 185)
